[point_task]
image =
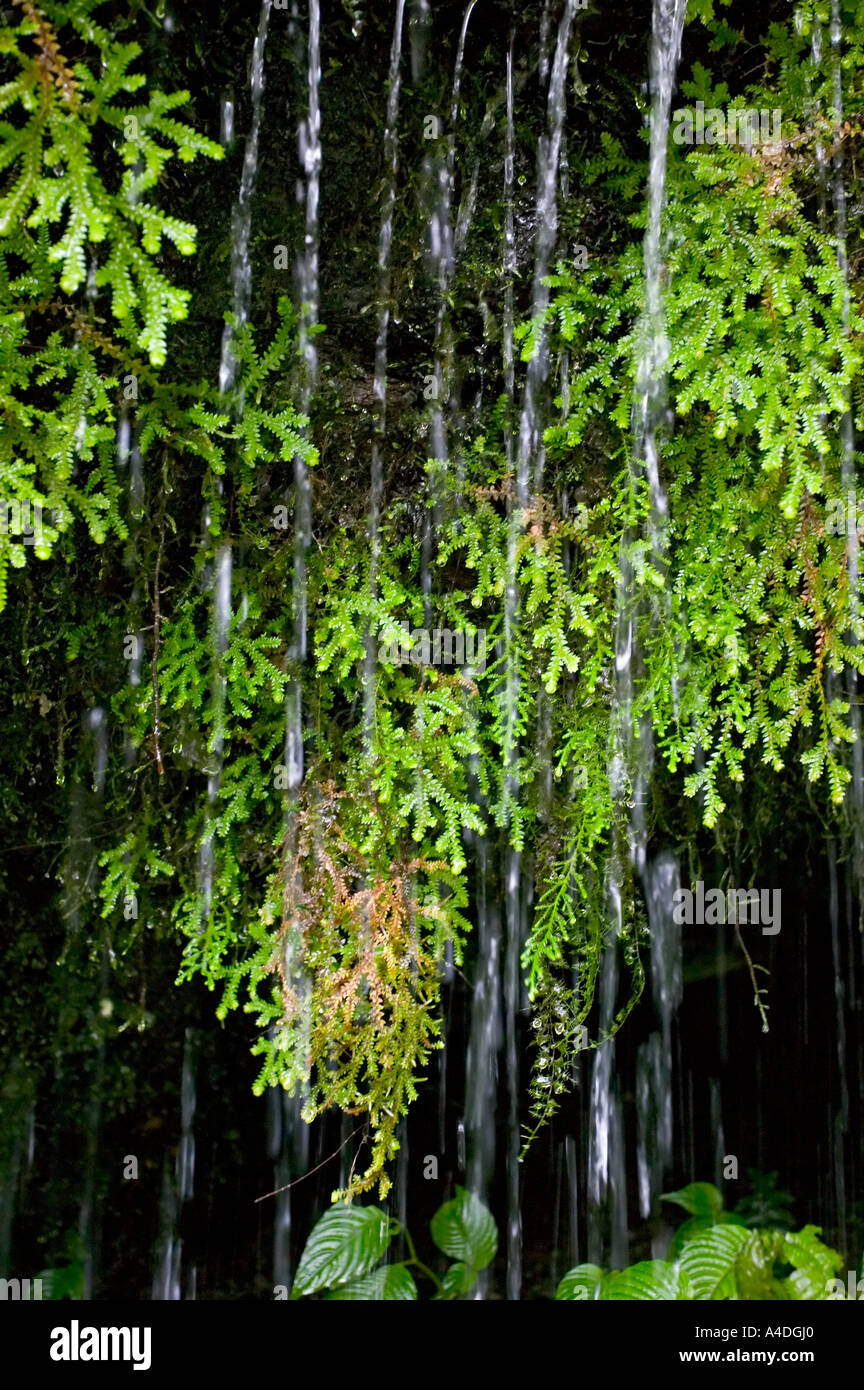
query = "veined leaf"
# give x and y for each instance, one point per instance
(465, 1230)
(343, 1246)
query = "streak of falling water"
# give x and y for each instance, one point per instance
(840, 1125)
(310, 155)
(481, 1069)
(512, 993)
(509, 258)
(605, 1112)
(648, 410)
(241, 287)
(548, 158)
(572, 1165)
(607, 1197)
(834, 167)
(186, 1150)
(545, 30)
(379, 384)
(241, 220)
(226, 124)
(421, 28)
(97, 725)
(85, 816)
(717, 1131)
(443, 255)
(529, 446)
(307, 279)
(654, 1060)
(481, 1083)
(667, 28)
(168, 1275)
(847, 440)
(220, 631)
(843, 1158)
(288, 1147)
(441, 175)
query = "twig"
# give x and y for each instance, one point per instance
(315, 1169)
(757, 992)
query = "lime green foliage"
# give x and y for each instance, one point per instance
(332, 904)
(56, 112)
(346, 1244)
(80, 161)
(715, 1256)
(330, 909)
(760, 369)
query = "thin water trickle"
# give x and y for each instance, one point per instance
(831, 181)
(421, 31)
(608, 1230)
(512, 1000)
(226, 124)
(488, 1027)
(509, 257)
(648, 414)
(717, 1130)
(847, 441)
(840, 1123)
(288, 1148)
(222, 576)
(481, 1069)
(307, 275)
(241, 221)
(379, 383)
(631, 758)
(309, 142)
(97, 724)
(655, 1060)
(530, 455)
(241, 291)
(168, 1274)
(441, 174)
(529, 465)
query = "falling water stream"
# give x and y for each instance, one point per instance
(631, 759)
(379, 383)
(847, 441)
(833, 183)
(503, 885)
(288, 1134)
(241, 221)
(529, 473)
(168, 1279)
(486, 1037)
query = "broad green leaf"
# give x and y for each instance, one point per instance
(699, 1198)
(581, 1282)
(459, 1278)
(465, 1230)
(814, 1264)
(66, 1281)
(390, 1284)
(343, 1246)
(755, 1280)
(651, 1279)
(709, 1261)
(694, 1225)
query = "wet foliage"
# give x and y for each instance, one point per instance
(304, 772)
